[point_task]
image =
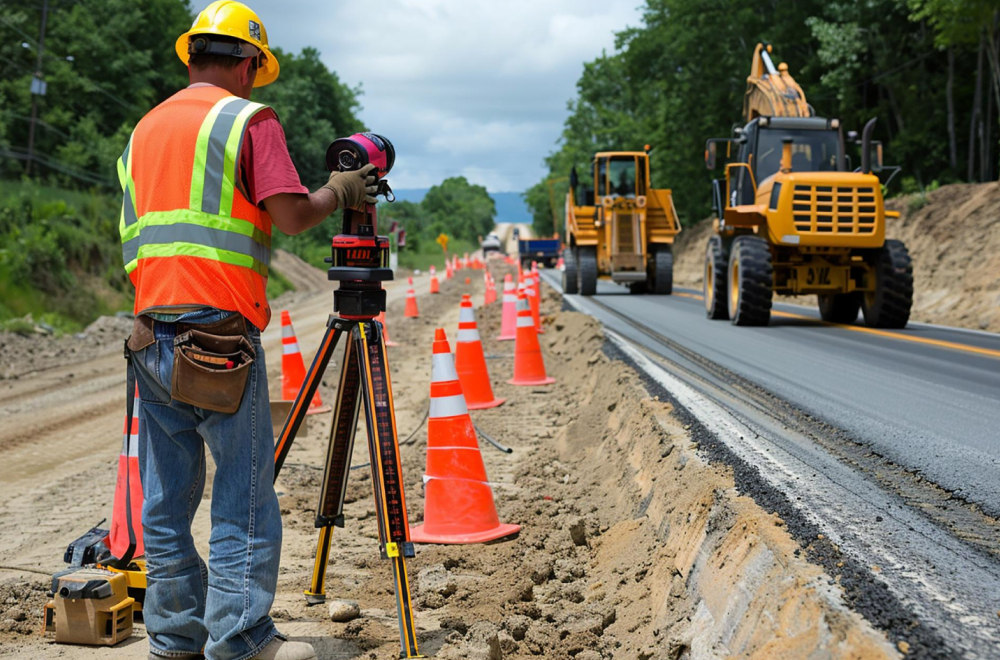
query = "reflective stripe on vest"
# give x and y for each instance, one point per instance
(206, 229)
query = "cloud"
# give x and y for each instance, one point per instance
(459, 86)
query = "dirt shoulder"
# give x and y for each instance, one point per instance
(953, 235)
(632, 545)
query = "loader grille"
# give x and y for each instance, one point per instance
(625, 231)
(821, 209)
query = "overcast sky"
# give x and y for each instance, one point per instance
(461, 87)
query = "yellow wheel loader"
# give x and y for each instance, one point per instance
(794, 219)
(620, 229)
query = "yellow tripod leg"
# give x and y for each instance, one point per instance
(316, 593)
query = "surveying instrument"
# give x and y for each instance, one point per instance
(360, 262)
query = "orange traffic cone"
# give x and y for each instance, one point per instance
(447, 269)
(435, 285)
(458, 498)
(126, 515)
(385, 329)
(470, 361)
(411, 311)
(560, 265)
(490, 293)
(533, 290)
(529, 367)
(508, 322)
(293, 368)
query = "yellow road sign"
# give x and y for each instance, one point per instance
(442, 240)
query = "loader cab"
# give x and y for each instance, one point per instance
(817, 146)
(621, 175)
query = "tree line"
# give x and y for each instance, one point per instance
(929, 70)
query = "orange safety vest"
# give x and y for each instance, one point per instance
(190, 237)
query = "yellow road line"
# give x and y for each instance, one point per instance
(873, 331)
(894, 335)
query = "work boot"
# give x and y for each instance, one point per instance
(186, 656)
(279, 649)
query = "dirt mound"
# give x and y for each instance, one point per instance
(21, 605)
(302, 276)
(954, 238)
(953, 235)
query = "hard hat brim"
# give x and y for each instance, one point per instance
(266, 75)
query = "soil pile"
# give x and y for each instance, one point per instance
(953, 235)
(300, 274)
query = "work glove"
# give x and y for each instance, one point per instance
(354, 188)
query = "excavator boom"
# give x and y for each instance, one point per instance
(771, 91)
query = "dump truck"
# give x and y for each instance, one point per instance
(542, 250)
(794, 218)
(619, 229)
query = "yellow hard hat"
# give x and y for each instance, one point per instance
(227, 18)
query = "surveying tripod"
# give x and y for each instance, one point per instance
(360, 262)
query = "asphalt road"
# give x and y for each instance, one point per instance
(857, 431)
(927, 397)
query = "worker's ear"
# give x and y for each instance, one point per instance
(248, 72)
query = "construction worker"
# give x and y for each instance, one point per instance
(204, 175)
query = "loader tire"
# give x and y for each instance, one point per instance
(569, 271)
(750, 281)
(586, 269)
(714, 279)
(662, 271)
(839, 307)
(889, 305)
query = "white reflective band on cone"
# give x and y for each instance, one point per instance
(525, 321)
(130, 445)
(428, 477)
(448, 406)
(442, 369)
(287, 331)
(508, 286)
(509, 298)
(287, 349)
(466, 315)
(468, 335)
(522, 304)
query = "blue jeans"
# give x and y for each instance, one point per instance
(223, 608)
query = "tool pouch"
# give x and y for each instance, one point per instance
(210, 370)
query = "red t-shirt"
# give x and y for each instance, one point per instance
(265, 164)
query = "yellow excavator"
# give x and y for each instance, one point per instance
(621, 229)
(794, 218)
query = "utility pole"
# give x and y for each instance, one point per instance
(37, 87)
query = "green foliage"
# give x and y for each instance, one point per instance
(680, 77)
(60, 254)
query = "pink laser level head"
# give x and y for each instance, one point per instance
(352, 153)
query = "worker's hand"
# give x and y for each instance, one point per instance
(354, 188)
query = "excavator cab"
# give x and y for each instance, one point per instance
(817, 146)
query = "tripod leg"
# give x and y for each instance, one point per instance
(387, 474)
(330, 510)
(334, 327)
